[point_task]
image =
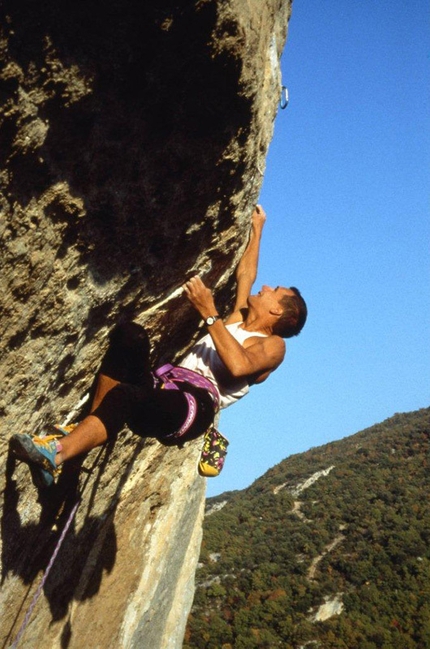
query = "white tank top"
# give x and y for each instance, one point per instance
(204, 359)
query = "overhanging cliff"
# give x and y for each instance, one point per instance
(133, 138)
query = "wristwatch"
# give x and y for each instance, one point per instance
(211, 320)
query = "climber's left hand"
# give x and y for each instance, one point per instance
(200, 296)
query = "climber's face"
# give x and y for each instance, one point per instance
(268, 299)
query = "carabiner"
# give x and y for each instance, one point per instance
(284, 97)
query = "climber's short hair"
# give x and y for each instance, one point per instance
(294, 315)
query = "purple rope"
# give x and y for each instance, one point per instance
(45, 576)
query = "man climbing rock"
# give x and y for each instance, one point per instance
(176, 404)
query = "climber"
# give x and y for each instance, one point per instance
(176, 404)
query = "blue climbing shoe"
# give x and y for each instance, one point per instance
(36, 450)
(39, 452)
(41, 477)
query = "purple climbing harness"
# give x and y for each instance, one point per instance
(171, 376)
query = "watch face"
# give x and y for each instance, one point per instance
(211, 320)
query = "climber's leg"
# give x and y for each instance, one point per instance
(127, 357)
(50, 451)
(116, 407)
(103, 385)
(157, 413)
(115, 404)
(91, 432)
(125, 361)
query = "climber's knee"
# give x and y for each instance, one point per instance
(118, 407)
(127, 357)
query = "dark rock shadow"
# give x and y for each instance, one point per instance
(27, 548)
(142, 149)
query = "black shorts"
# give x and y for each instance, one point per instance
(147, 409)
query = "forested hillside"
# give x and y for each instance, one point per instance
(330, 549)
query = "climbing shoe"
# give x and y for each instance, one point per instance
(39, 452)
(41, 477)
(213, 454)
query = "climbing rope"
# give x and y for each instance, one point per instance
(45, 576)
(56, 550)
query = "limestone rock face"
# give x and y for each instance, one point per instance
(133, 138)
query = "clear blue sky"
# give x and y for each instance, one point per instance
(346, 192)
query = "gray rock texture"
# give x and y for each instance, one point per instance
(133, 138)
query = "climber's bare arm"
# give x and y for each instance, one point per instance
(246, 272)
(255, 359)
